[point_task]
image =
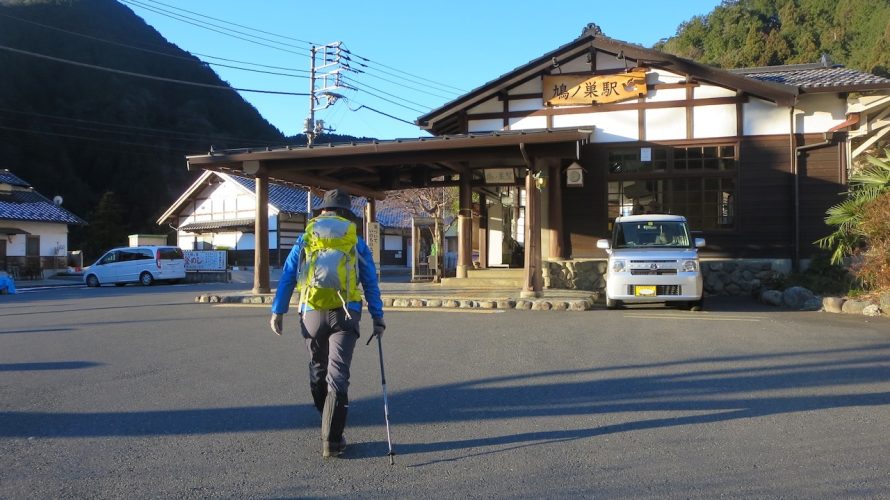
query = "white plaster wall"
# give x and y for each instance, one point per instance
(816, 113)
(485, 125)
(532, 86)
(493, 105)
(614, 126)
(665, 124)
(666, 95)
(764, 118)
(714, 121)
(608, 61)
(528, 122)
(53, 236)
(661, 76)
(526, 105)
(577, 65)
(710, 91)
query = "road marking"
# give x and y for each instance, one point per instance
(694, 317)
(387, 309)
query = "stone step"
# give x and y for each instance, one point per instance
(498, 272)
(482, 282)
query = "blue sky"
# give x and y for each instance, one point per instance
(419, 55)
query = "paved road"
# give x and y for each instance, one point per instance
(138, 392)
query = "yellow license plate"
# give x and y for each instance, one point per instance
(644, 291)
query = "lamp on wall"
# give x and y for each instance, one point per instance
(575, 175)
(251, 167)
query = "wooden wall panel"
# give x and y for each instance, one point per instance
(821, 185)
(584, 209)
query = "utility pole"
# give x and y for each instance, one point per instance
(327, 70)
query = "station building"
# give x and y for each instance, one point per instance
(596, 128)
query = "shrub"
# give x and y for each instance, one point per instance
(873, 269)
(822, 277)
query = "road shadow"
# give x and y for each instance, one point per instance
(49, 365)
(711, 389)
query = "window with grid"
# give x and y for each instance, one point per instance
(699, 182)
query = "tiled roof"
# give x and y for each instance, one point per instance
(28, 205)
(281, 196)
(293, 199)
(198, 227)
(7, 177)
(813, 76)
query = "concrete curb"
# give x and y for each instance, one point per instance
(539, 304)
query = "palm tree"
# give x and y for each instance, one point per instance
(867, 185)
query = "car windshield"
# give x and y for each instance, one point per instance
(653, 233)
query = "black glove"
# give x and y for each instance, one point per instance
(379, 327)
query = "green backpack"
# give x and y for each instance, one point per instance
(328, 277)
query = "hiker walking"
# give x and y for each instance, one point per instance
(325, 265)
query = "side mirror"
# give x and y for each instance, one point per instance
(603, 244)
(699, 242)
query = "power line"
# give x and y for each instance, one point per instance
(400, 84)
(188, 20)
(349, 79)
(459, 90)
(368, 69)
(369, 108)
(158, 52)
(150, 77)
(80, 137)
(235, 24)
(137, 129)
(169, 13)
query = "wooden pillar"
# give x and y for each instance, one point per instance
(557, 250)
(531, 283)
(483, 232)
(261, 235)
(465, 225)
(370, 214)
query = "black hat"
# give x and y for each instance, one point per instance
(336, 198)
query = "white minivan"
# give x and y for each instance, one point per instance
(144, 264)
(653, 258)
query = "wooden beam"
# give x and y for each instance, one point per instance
(329, 183)
(871, 140)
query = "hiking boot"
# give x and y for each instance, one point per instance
(333, 421)
(333, 449)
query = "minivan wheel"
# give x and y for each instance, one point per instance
(146, 279)
(612, 303)
(696, 305)
(92, 281)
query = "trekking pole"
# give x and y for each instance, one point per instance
(385, 402)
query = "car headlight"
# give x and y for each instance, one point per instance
(690, 266)
(618, 266)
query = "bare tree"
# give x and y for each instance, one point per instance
(435, 202)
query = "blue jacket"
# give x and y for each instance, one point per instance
(367, 275)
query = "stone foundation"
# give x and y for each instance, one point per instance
(721, 277)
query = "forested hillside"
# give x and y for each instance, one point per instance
(81, 132)
(746, 33)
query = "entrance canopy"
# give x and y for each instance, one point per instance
(370, 168)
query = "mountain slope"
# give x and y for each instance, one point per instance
(747, 33)
(81, 132)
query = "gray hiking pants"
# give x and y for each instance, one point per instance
(330, 337)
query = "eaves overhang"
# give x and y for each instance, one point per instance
(781, 94)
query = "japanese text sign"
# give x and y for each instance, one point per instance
(572, 90)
